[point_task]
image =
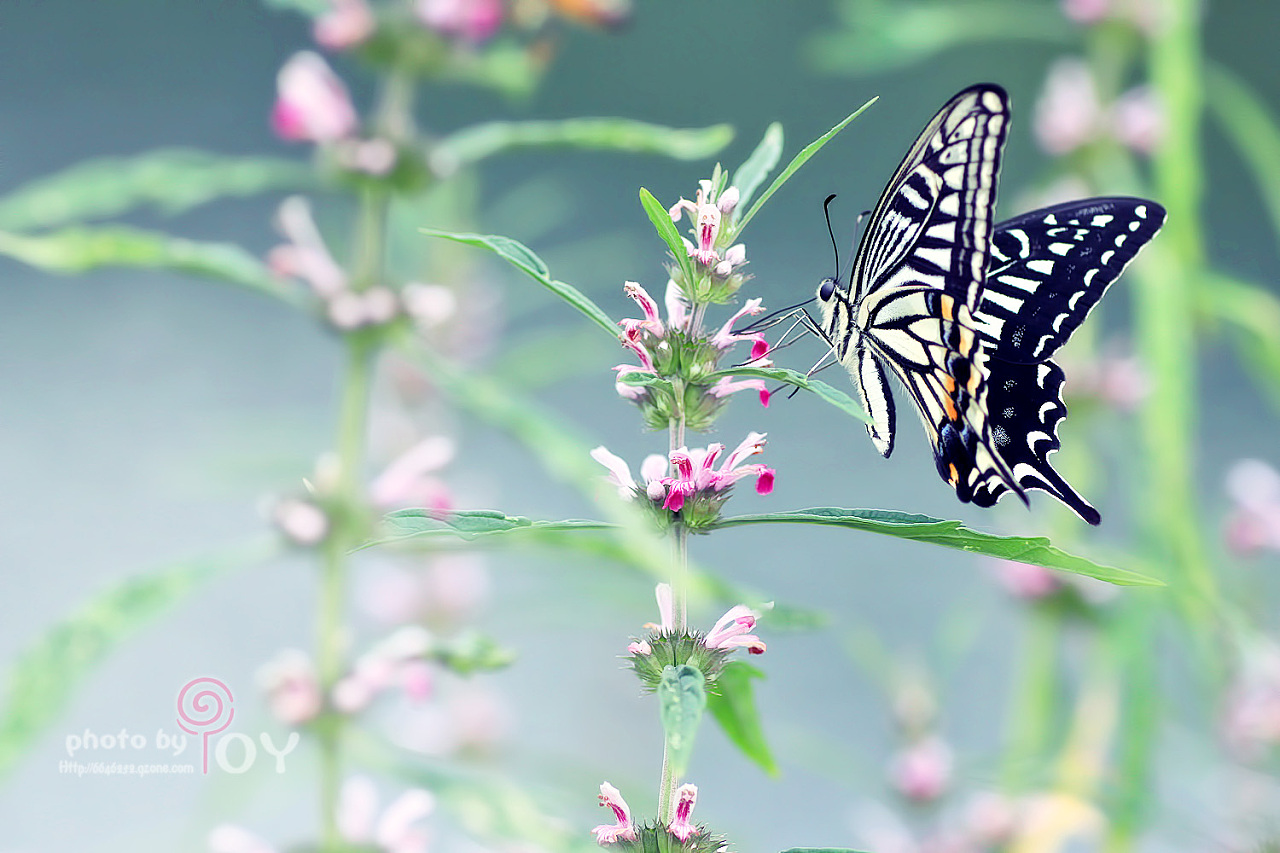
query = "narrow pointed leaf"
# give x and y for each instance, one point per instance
(756, 168)
(661, 219)
(523, 258)
(170, 180)
(682, 697)
(76, 250)
(481, 141)
(950, 534)
(733, 705)
(44, 678)
(834, 396)
(798, 161)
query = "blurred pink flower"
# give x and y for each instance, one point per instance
(396, 829)
(312, 104)
(345, 25)
(1253, 523)
(611, 798)
(375, 156)
(921, 772)
(470, 20)
(1087, 11)
(292, 687)
(1251, 716)
(446, 590)
(398, 660)
(409, 481)
(301, 521)
(1137, 119)
(1113, 378)
(227, 838)
(1026, 581)
(305, 256)
(1067, 114)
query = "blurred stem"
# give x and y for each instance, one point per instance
(1034, 701)
(1129, 649)
(348, 515)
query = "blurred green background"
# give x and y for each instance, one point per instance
(145, 416)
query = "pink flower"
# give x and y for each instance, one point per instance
(227, 838)
(292, 688)
(305, 256)
(345, 25)
(686, 798)
(312, 104)
(1026, 581)
(706, 214)
(395, 830)
(696, 474)
(922, 771)
(1254, 521)
(611, 798)
(1068, 114)
(1137, 119)
(652, 471)
(469, 20)
(301, 521)
(732, 631)
(409, 480)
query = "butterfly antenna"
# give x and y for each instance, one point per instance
(773, 318)
(826, 210)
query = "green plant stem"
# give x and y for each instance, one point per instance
(348, 515)
(1035, 700)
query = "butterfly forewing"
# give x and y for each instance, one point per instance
(1051, 266)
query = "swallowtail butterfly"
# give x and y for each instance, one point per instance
(967, 314)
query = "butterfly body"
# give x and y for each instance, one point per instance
(966, 314)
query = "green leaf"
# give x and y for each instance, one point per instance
(763, 160)
(835, 397)
(45, 677)
(75, 250)
(821, 850)
(798, 161)
(682, 696)
(1254, 130)
(1254, 316)
(878, 36)
(481, 141)
(471, 653)
(1035, 550)
(733, 705)
(170, 179)
(661, 219)
(523, 258)
(472, 524)
(311, 8)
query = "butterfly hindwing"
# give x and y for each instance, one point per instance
(1050, 267)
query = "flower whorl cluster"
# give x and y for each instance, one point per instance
(680, 834)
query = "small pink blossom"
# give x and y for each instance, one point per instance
(610, 797)
(652, 470)
(706, 216)
(227, 838)
(312, 104)
(301, 521)
(1068, 114)
(686, 799)
(1027, 581)
(732, 631)
(1251, 718)
(396, 829)
(922, 771)
(376, 157)
(305, 256)
(696, 471)
(470, 20)
(292, 687)
(1137, 119)
(735, 256)
(410, 480)
(1254, 521)
(346, 24)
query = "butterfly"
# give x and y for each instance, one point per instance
(967, 314)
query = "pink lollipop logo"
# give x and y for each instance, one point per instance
(204, 708)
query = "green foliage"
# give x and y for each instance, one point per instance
(834, 396)
(661, 219)
(733, 705)
(1253, 129)
(77, 250)
(523, 258)
(1035, 550)
(47, 675)
(798, 161)
(763, 160)
(682, 697)
(171, 180)
(481, 141)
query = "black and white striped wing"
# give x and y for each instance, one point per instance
(933, 223)
(1049, 268)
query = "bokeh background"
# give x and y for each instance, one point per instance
(149, 417)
